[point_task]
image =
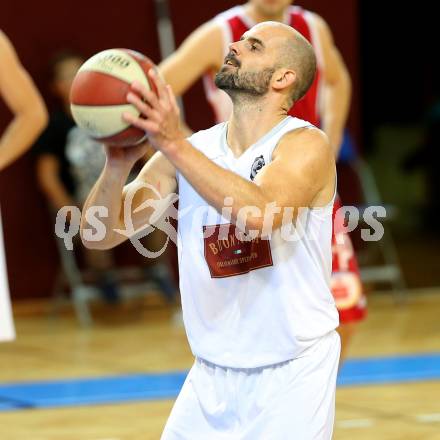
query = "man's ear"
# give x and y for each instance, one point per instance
(284, 78)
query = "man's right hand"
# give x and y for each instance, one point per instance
(125, 156)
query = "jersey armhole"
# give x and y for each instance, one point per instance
(270, 154)
(316, 40)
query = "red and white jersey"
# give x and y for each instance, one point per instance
(234, 23)
(346, 282)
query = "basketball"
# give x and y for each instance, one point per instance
(99, 91)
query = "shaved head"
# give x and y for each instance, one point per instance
(294, 53)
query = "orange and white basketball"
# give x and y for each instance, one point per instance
(99, 95)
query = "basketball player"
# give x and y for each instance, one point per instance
(325, 105)
(23, 99)
(258, 313)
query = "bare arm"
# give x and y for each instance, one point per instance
(302, 173)
(201, 51)
(337, 88)
(48, 178)
(22, 97)
(110, 191)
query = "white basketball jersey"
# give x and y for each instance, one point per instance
(7, 331)
(249, 304)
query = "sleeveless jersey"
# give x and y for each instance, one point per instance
(234, 23)
(248, 304)
(346, 284)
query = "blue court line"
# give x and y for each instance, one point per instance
(142, 387)
(380, 370)
(71, 392)
(7, 404)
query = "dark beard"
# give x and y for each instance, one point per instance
(251, 83)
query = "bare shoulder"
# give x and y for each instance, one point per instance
(323, 29)
(308, 144)
(211, 36)
(210, 29)
(303, 160)
(306, 154)
(6, 49)
(320, 21)
(3, 39)
(309, 133)
(201, 50)
(10, 66)
(208, 36)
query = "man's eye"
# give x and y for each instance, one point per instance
(254, 47)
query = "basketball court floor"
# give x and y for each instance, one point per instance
(117, 380)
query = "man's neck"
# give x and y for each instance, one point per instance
(250, 121)
(258, 17)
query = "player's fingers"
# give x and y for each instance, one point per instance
(146, 94)
(159, 83)
(143, 107)
(151, 127)
(139, 88)
(147, 125)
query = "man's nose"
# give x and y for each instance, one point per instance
(233, 47)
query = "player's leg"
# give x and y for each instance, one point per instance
(346, 332)
(295, 400)
(351, 304)
(203, 410)
(346, 285)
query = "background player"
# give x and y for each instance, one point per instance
(30, 117)
(25, 102)
(326, 105)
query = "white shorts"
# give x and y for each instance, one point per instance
(7, 332)
(291, 400)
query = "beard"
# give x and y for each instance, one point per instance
(234, 82)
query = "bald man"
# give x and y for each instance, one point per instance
(255, 220)
(327, 102)
(30, 117)
(326, 105)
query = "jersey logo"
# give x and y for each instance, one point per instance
(229, 255)
(256, 166)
